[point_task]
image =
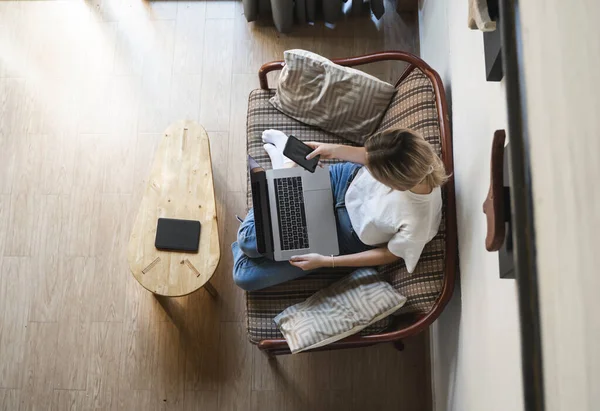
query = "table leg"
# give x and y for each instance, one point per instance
(174, 310)
(211, 290)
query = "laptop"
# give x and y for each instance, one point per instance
(294, 213)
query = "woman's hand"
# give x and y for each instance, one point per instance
(325, 150)
(310, 261)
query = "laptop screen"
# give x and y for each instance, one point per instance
(262, 215)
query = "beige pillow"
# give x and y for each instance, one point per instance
(341, 100)
(338, 311)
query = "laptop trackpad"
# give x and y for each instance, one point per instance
(320, 219)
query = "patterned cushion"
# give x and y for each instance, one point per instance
(338, 311)
(413, 107)
(341, 100)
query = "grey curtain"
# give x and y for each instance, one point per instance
(286, 12)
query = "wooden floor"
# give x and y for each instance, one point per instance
(86, 89)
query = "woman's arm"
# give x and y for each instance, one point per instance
(370, 258)
(342, 152)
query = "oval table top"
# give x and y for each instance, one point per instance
(180, 186)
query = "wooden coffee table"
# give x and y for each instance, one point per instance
(180, 186)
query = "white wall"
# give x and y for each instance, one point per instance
(475, 344)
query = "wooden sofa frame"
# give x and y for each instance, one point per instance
(409, 324)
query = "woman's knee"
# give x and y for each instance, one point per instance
(242, 269)
(247, 243)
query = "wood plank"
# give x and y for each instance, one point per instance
(94, 118)
(219, 153)
(268, 401)
(248, 45)
(23, 216)
(342, 364)
(7, 159)
(185, 96)
(170, 368)
(57, 163)
(107, 301)
(137, 399)
(73, 356)
(114, 225)
(90, 157)
(118, 174)
(145, 150)
(83, 223)
(40, 362)
(161, 10)
(189, 37)
(379, 370)
(49, 233)
(201, 335)
(14, 119)
(124, 102)
(268, 373)
(4, 213)
(99, 55)
(154, 114)
(27, 164)
(180, 186)
(103, 375)
(216, 75)
(342, 400)
(235, 362)
(140, 346)
(46, 290)
(201, 401)
(303, 376)
(15, 274)
(129, 57)
(220, 9)
(69, 400)
(77, 290)
(243, 84)
(9, 399)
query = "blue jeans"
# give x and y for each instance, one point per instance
(252, 271)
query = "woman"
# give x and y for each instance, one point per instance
(388, 205)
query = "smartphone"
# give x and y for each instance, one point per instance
(297, 151)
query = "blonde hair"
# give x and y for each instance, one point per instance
(402, 159)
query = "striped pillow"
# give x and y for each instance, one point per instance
(338, 311)
(341, 100)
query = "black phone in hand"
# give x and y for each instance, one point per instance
(297, 151)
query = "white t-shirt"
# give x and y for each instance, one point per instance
(404, 220)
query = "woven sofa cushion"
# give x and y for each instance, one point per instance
(339, 311)
(341, 100)
(413, 106)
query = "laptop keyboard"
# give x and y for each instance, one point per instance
(290, 212)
